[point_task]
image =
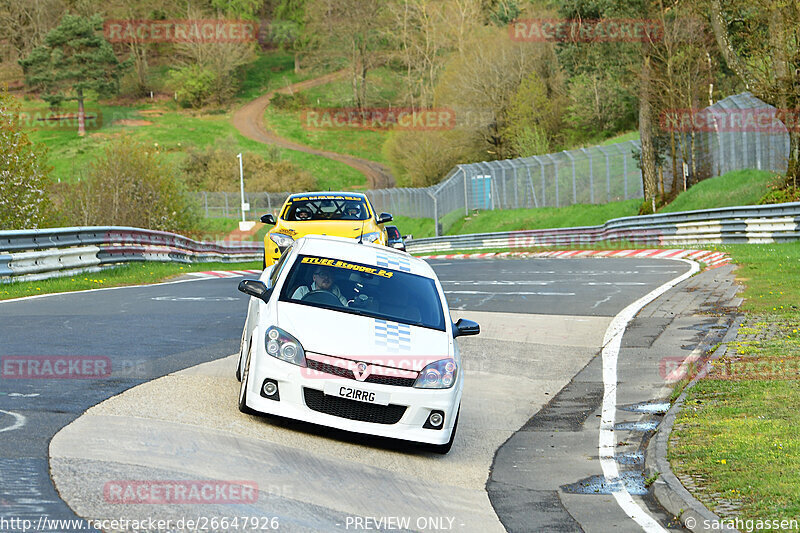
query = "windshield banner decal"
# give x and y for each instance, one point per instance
(345, 265)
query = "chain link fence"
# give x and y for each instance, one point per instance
(595, 175)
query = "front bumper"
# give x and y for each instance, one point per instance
(292, 380)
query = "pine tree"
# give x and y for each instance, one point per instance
(74, 59)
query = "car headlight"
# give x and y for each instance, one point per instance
(371, 237)
(283, 346)
(438, 375)
(283, 241)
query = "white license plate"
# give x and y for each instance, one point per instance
(344, 390)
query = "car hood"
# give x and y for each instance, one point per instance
(363, 338)
(336, 228)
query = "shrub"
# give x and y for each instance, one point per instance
(423, 158)
(217, 169)
(23, 172)
(130, 185)
(289, 102)
(193, 85)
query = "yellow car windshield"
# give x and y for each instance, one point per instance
(337, 208)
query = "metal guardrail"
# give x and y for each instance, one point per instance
(29, 255)
(729, 225)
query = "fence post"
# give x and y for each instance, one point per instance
(226, 203)
(544, 182)
(608, 174)
(758, 150)
(591, 174)
(555, 173)
(435, 213)
(574, 192)
(530, 182)
(625, 173)
(641, 181)
(205, 200)
(466, 193)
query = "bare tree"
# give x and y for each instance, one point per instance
(24, 24)
(222, 59)
(352, 31)
(760, 41)
(684, 69)
(481, 83)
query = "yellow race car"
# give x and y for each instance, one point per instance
(341, 214)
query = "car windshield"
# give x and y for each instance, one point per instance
(326, 208)
(364, 290)
(392, 232)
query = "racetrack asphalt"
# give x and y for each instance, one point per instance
(148, 332)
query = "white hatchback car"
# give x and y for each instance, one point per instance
(354, 336)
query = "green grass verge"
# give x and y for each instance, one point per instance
(739, 429)
(739, 187)
(130, 274)
(418, 227)
(542, 218)
(621, 138)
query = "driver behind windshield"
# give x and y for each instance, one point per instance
(322, 281)
(352, 212)
(302, 213)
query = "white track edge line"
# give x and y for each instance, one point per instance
(606, 441)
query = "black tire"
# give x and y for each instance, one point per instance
(264, 262)
(444, 449)
(241, 356)
(243, 389)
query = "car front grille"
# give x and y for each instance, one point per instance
(345, 373)
(316, 400)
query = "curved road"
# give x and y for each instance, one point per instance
(249, 120)
(185, 425)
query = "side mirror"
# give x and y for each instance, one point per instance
(254, 287)
(408, 237)
(268, 219)
(383, 218)
(464, 327)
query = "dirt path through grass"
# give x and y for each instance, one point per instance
(249, 120)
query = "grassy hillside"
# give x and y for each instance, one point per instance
(172, 130)
(383, 84)
(740, 187)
